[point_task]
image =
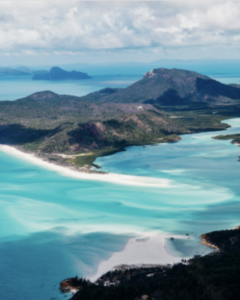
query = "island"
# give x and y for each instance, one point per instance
(57, 73)
(73, 131)
(213, 276)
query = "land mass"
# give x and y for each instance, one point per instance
(158, 108)
(210, 277)
(57, 73)
(234, 137)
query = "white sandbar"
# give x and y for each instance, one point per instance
(109, 177)
(138, 251)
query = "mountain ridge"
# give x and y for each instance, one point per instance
(12, 72)
(160, 86)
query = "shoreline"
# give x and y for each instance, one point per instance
(205, 242)
(139, 251)
(71, 172)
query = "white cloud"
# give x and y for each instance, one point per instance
(30, 26)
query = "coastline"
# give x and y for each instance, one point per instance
(139, 252)
(71, 172)
(206, 243)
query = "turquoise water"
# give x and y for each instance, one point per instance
(205, 174)
(52, 226)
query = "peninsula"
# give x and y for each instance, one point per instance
(74, 131)
(234, 137)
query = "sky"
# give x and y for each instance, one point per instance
(72, 31)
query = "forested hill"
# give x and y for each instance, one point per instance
(158, 108)
(167, 87)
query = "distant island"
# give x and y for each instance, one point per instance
(57, 73)
(6, 72)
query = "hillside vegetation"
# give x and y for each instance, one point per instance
(49, 123)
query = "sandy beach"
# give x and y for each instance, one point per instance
(139, 251)
(108, 177)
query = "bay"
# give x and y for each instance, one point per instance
(52, 226)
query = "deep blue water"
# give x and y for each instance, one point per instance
(53, 227)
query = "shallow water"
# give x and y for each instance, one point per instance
(205, 175)
(13, 88)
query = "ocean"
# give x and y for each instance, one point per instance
(13, 88)
(53, 227)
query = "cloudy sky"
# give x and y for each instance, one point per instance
(97, 31)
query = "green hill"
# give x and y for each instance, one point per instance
(171, 87)
(12, 72)
(46, 122)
